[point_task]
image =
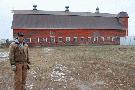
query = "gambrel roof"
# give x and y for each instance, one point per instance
(38, 19)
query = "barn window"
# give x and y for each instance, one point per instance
(82, 39)
(27, 39)
(34, 40)
(52, 39)
(112, 38)
(60, 39)
(117, 38)
(89, 39)
(95, 38)
(41, 39)
(45, 39)
(67, 39)
(108, 38)
(75, 39)
(103, 38)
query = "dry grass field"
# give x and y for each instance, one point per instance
(76, 68)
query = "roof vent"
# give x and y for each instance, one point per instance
(67, 8)
(97, 10)
(34, 7)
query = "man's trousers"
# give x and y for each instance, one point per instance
(20, 76)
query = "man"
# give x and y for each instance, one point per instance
(19, 60)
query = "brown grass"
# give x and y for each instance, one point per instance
(76, 68)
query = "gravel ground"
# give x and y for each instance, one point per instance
(75, 68)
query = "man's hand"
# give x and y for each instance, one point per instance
(13, 67)
(28, 67)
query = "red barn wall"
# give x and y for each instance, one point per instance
(37, 34)
(124, 22)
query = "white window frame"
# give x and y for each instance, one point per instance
(82, 38)
(95, 39)
(60, 38)
(89, 39)
(67, 39)
(108, 38)
(38, 39)
(52, 37)
(30, 40)
(75, 38)
(113, 38)
(103, 38)
(45, 39)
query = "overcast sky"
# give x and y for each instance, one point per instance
(105, 6)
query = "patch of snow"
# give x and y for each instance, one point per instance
(34, 73)
(4, 56)
(47, 51)
(109, 70)
(83, 85)
(30, 86)
(98, 83)
(57, 76)
(60, 73)
(71, 78)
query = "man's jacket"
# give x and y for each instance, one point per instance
(18, 52)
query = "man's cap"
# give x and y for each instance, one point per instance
(20, 34)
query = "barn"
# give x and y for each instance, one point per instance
(55, 28)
